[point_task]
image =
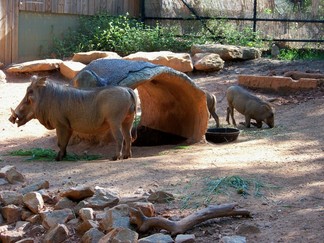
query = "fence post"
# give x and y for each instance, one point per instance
(254, 15)
(142, 9)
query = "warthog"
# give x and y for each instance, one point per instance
(68, 109)
(250, 106)
(211, 105)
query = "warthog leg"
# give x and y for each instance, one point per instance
(230, 111)
(63, 136)
(127, 133)
(118, 136)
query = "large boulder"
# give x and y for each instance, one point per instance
(71, 68)
(178, 61)
(170, 101)
(207, 62)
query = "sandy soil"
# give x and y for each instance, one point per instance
(286, 160)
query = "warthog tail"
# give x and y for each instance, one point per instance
(135, 123)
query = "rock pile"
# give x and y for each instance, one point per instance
(31, 213)
(79, 214)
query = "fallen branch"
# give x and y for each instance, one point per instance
(179, 227)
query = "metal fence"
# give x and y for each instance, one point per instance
(277, 20)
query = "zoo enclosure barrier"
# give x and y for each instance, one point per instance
(259, 12)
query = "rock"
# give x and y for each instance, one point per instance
(22, 226)
(78, 193)
(33, 201)
(160, 197)
(11, 197)
(86, 213)
(178, 61)
(25, 214)
(70, 69)
(35, 66)
(207, 62)
(36, 231)
(102, 198)
(86, 225)
(51, 218)
(35, 218)
(120, 235)
(185, 238)
(35, 187)
(65, 203)
(250, 53)
(147, 208)
(57, 234)
(87, 57)
(11, 174)
(156, 238)
(4, 228)
(3, 182)
(11, 213)
(247, 229)
(26, 240)
(226, 52)
(92, 236)
(116, 217)
(11, 236)
(233, 239)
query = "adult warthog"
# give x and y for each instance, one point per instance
(68, 109)
(250, 106)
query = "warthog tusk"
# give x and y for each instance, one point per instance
(13, 116)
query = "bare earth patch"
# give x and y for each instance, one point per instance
(286, 162)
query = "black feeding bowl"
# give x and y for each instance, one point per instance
(222, 135)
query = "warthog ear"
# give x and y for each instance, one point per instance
(41, 82)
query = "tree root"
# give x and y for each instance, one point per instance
(179, 227)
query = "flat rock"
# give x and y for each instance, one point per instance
(227, 52)
(33, 201)
(78, 193)
(178, 61)
(87, 57)
(35, 66)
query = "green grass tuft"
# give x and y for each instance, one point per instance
(49, 155)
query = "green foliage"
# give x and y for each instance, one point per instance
(125, 36)
(49, 155)
(119, 34)
(301, 54)
(228, 33)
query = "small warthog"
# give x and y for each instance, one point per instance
(250, 106)
(211, 105)
(68, 109)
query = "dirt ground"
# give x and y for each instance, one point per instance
(287, 161)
